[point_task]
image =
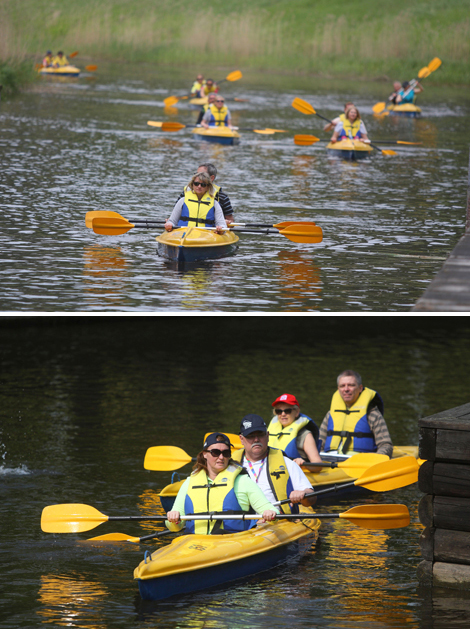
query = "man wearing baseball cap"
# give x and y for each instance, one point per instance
(277, 476)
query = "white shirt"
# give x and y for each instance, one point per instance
(257, 472)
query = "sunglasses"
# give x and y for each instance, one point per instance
(219, 101)
(199, 184)
(216, 452)
(279, 411)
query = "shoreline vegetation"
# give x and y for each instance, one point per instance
(359, 39)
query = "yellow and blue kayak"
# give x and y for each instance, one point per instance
(349, 149)
(193, 244)
(219, 135)
(198, 562)
(62, 71)
(407, 109)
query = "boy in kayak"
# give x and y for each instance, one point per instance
(355, 422)
(60, 61)
(276, 474)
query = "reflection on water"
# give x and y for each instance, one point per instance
(299, 279)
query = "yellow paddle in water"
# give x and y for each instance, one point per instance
(91, 68)
(177, 126)
(77, 518)
(172, 100)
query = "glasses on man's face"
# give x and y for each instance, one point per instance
(218, 100)
(216, 452)
(279, 411)
(199, 184)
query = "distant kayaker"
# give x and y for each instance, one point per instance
(355, 421)
(47, 61)
(396, 88)
(350, 127)
(208, 87)
(197, 85)
(198, 206)
(210, 99)
(408, 92)
(331, 125)
(60, 60)
(217, 115)
(218, 484)
(276, 474)
(292, 431)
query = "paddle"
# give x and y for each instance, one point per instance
(304, 107)
(123, 537)
(422, 74)
(307, 140)
(385, 476)
(77, 518)
(295, 233)
(91, 68)
(177, 126)
(172, 100)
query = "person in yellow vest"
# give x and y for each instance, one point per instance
(217, 115)
(293, 432)
(218, 484)
(197, 85)
(355, 421)
(210, 101)
(47, 61)
(198, 207)
(275, 473)
(208, 87)
(351, 126)
(332, 124)
(60, 61)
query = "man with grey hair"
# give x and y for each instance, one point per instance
(220, 196)
(355, 421)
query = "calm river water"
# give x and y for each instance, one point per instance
(83, 399)
(73, 145)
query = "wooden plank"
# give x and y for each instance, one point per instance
(427, 443)
(457, 418)
(425, 475)
(452, 445)
(444, 479)
(448, 513)
(451, 575)
(450, 546)
(425, 510)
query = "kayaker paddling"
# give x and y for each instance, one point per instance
(218, 484)
(408, 92)
(210, 100)
(60, 61)
(277, 475)
(207, 88)
(197, 85)
(292, 431)
(198, 207)
(332, 124)
(47, 61)
(217, 115)
(355, 421)
(351, 126)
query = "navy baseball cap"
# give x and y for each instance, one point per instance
(252, 423)
(216, 437)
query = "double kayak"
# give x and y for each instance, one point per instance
(219, 135)
(407, 109)
(62, 71)
(349, 149)
(327, 478)
(198, 562)
(193, 244)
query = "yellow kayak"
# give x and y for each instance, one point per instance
(192, 244)
(198, 562)
(220, 135)
(349, 149)
(199, 102)
(406, 109)
(62, 71)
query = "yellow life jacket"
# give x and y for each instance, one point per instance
(285, 438)
(218, 116)
(217, 496)
(209, 90)
(350, 129)
(60, 61)
(278, 476)
(197, 211)
(197, 86)
(342, 118)
(348, 429)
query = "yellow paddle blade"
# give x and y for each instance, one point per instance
(378, 516)
(391, 474)
(389, 152)
(277, 130)
(73, 54)
(403, 142)
(424, 72)
(91, 68)
(70, 518)
(378, 108)
(234, 439)
(311, 234)
(287, 223)
(89, 216)
(234, 76)
(170, 101)
(165, 458)
(305, 140)
(172, 126)
(113, 537)
(434, 64)
(264, 131)
(302, 106)
(154, 123)
(111, 226)
(359, 463)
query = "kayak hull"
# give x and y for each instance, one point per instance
(193, 563)
(408, 109)
(193, 244)
(63, 71)
(218, 135)
(349, 149)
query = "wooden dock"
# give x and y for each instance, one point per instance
(450, 289)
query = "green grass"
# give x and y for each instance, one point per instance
(332, 38)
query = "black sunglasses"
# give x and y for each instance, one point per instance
(198, 183)
(216, 452)
(287, 411)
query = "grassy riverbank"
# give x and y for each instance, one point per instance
(354, 39)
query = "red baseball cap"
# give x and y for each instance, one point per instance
(287, 399)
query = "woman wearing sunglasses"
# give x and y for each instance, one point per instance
(292, 431)
(198, 207)
(218, 484)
